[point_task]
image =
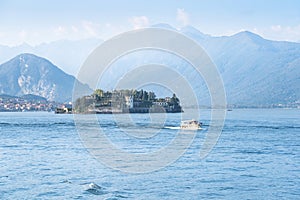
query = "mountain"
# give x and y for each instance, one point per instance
(164, 26)
(67, 54)
(6, 96)
(29, 74)
(193, 33)
(27, 97)
(32, 97)
(255, 71)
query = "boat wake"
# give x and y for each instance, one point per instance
(178, 128)
(172, 127)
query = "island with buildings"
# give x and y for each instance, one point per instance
(126, 101)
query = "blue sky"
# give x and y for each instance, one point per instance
(35, 21)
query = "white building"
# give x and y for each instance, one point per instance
(129, 101)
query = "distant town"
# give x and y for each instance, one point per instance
(29, 103)
(126, 101)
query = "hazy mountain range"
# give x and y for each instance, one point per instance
(255, 71)
(68, 55)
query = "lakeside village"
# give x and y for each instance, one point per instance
(117, 101)
(30, 103)
(126, 101)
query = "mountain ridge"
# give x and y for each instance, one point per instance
(255, 71)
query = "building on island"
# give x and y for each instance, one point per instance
(126, 101)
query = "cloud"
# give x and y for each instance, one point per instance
(91, 28)
(276, 28)
(139, 22)
(77, 31)
(23, 34)
(74, 29)
(60, 30)
(280, 32)
(84, 29)
(182, 17)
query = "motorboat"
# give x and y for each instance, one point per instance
(190, 125)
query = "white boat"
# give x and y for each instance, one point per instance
(190, 125)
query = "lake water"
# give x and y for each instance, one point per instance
(257, 157)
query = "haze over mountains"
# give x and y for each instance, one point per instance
(68, 55)
(255, 71)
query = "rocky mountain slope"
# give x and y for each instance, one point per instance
(30, 74)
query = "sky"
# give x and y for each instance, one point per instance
(35, 22)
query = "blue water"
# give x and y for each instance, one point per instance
(256, 157)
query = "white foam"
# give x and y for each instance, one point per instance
(172, 127)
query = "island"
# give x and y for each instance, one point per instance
(126, 101)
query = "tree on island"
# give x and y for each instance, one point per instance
(125, 101)
(174, 100)
(99, 92)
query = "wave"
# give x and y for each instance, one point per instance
(267, 127)
(46, 124)
(95, 189)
